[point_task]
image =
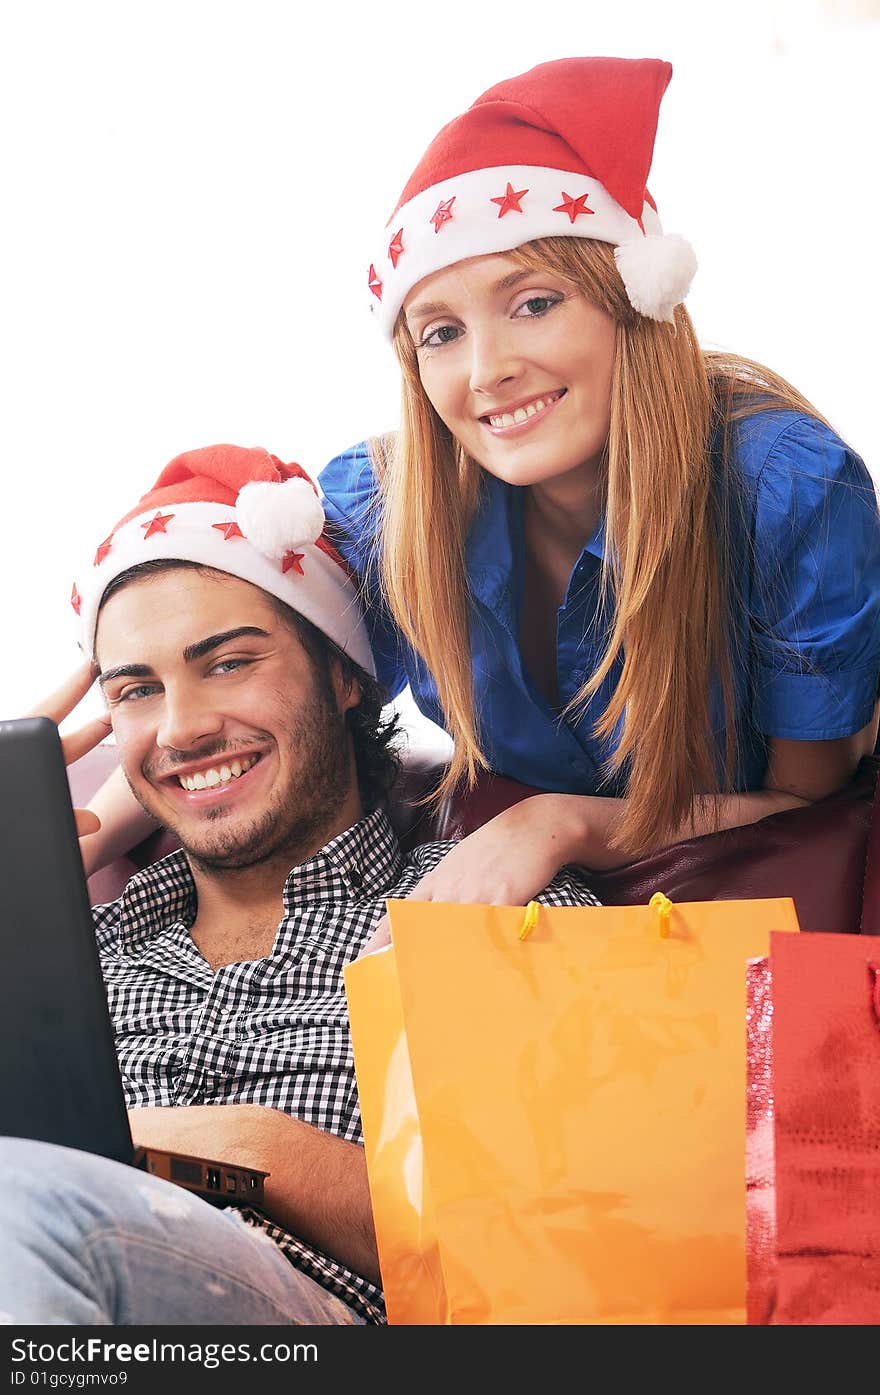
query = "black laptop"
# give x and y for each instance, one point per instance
(59, 1077)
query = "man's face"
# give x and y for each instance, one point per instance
(226, 732)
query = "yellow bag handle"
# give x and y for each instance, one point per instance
(663, 906)
(530, 920)
(658, 902)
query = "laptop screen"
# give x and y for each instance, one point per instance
(59, 1077)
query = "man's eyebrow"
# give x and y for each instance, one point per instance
(204, 646)
(125, 671)
(437, 307)
(190, 653)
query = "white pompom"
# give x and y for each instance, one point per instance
(278, 517)
(657, 273)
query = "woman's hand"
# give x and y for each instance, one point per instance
(58, 706)
(514, 856)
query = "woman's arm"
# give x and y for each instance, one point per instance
(516, 854)
(549, 831)
(798, 773)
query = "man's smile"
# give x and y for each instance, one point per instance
(219, 778)
(217, 774)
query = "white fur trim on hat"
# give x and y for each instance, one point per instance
(480, 218)
(277, 517)
(303, 575)
(657, 272)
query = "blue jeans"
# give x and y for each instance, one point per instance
(87, 1241)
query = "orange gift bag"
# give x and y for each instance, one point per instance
(814, 1132)
(553, 1109)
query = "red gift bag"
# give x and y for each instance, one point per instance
(813, 1131)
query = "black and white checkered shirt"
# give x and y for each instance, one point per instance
(273, 1031)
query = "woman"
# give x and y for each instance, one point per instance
(641, 578)
(635, 575)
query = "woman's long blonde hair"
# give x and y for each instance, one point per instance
(666, 569)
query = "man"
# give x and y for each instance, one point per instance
(237, 674)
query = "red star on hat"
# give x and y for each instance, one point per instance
(103, 549)
(157, 524)
(509, 201)
(229, 529)
(443, 214)
(574, 207)
(396, 248)
(374, 281)
(293, 559)
(76, 599)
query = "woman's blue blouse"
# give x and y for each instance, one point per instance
(806, 568)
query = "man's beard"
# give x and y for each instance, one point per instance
(297, 821)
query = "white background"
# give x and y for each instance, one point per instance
(192, 190)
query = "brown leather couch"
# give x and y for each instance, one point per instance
(826, 856)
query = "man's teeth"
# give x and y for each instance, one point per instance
(220, 775)
(523, 413)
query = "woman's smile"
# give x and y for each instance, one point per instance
(516, 419)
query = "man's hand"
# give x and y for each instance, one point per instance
(58, 706)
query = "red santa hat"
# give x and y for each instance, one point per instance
(240, 511)
(563, 149)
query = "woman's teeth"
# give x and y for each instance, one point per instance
(219, 775)
(523, 413)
